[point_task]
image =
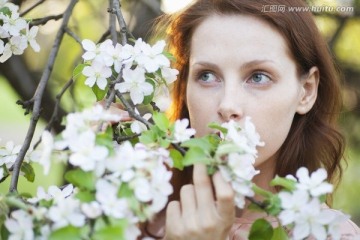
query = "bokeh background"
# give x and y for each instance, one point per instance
(20, 74)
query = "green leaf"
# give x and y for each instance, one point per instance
(105, 139)
(261, 229)
(100, 94)
(68, 233)
(28, 171)
(5, 173)
(77, 73)
(286, 183)
(85, 196)
(5, 11)
(273, 205)
(148, 137)
(214, 125)
(169, 56)
(177, 158)
(125, 191)
(279, 234)
(202, 143)
(81, 179)
(161, 121)
(226, 148)
(115, 230)
(196, 155)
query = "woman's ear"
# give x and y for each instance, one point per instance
(309, 91)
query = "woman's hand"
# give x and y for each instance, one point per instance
(117, 109)
(199, 214)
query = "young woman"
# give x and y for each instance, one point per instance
(240, 58)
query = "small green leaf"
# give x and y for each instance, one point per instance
(114, 230)
(202, 143)
(85, 196)
(28, 171)
(261, 229)
(5, 11)
(125, 191)
(148, 137)
(273, 205)
(216, 126)
(279, 234)
(169, 56)
(286, 183)
(68, 233)
(5, 173)
(161, 121)
(78, 71)
(177, 158)
(196, 155)
(81, 179)
(100, 94)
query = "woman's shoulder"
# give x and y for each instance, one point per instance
(348, 230)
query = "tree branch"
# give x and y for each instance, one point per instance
(32, 7)
(38, 97)
(44, 20)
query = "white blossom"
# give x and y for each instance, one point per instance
(20, 226)
(151, 57)
(66, 212)
(97, 74)
(86, 154)
(9, 154)
(162, 97)
(1, 172)
(135, 83)
(137, 126)
(111, 205)
(98, 53)
(30, 36)
(16, 46)
(181, 132)
(47, 141)
(315, 183)
(169, 74)
(92, 209)
(13, 23)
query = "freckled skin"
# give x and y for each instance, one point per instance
(223, 85)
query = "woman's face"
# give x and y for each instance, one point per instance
(240, 66)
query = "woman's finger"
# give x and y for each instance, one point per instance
(204, 192)
(174, 229)
(224, 197)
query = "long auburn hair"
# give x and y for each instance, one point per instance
(313, 140)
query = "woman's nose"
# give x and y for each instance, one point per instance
(230, 107)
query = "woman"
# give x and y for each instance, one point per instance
(236, 58)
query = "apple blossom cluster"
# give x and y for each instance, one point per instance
(236, 155)
(15, 32)
(145, 69)
(303, 211)
(130, 183)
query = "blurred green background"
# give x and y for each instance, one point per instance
(90, 20)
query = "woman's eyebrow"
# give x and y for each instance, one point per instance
(206, 64)
(255, 63)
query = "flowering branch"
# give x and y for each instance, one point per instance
(38, 96)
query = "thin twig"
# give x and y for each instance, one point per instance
(73, 35)
(257, 203)
(131, 111)
(112, 24)
(54, 116)
(38, 97)
(119, 139)
(122, 23)
(104, 36)
(32, 7)
(44, 20)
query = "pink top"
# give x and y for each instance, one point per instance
(241, 228)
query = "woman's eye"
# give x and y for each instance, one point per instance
(259, 78)
(207, 77)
